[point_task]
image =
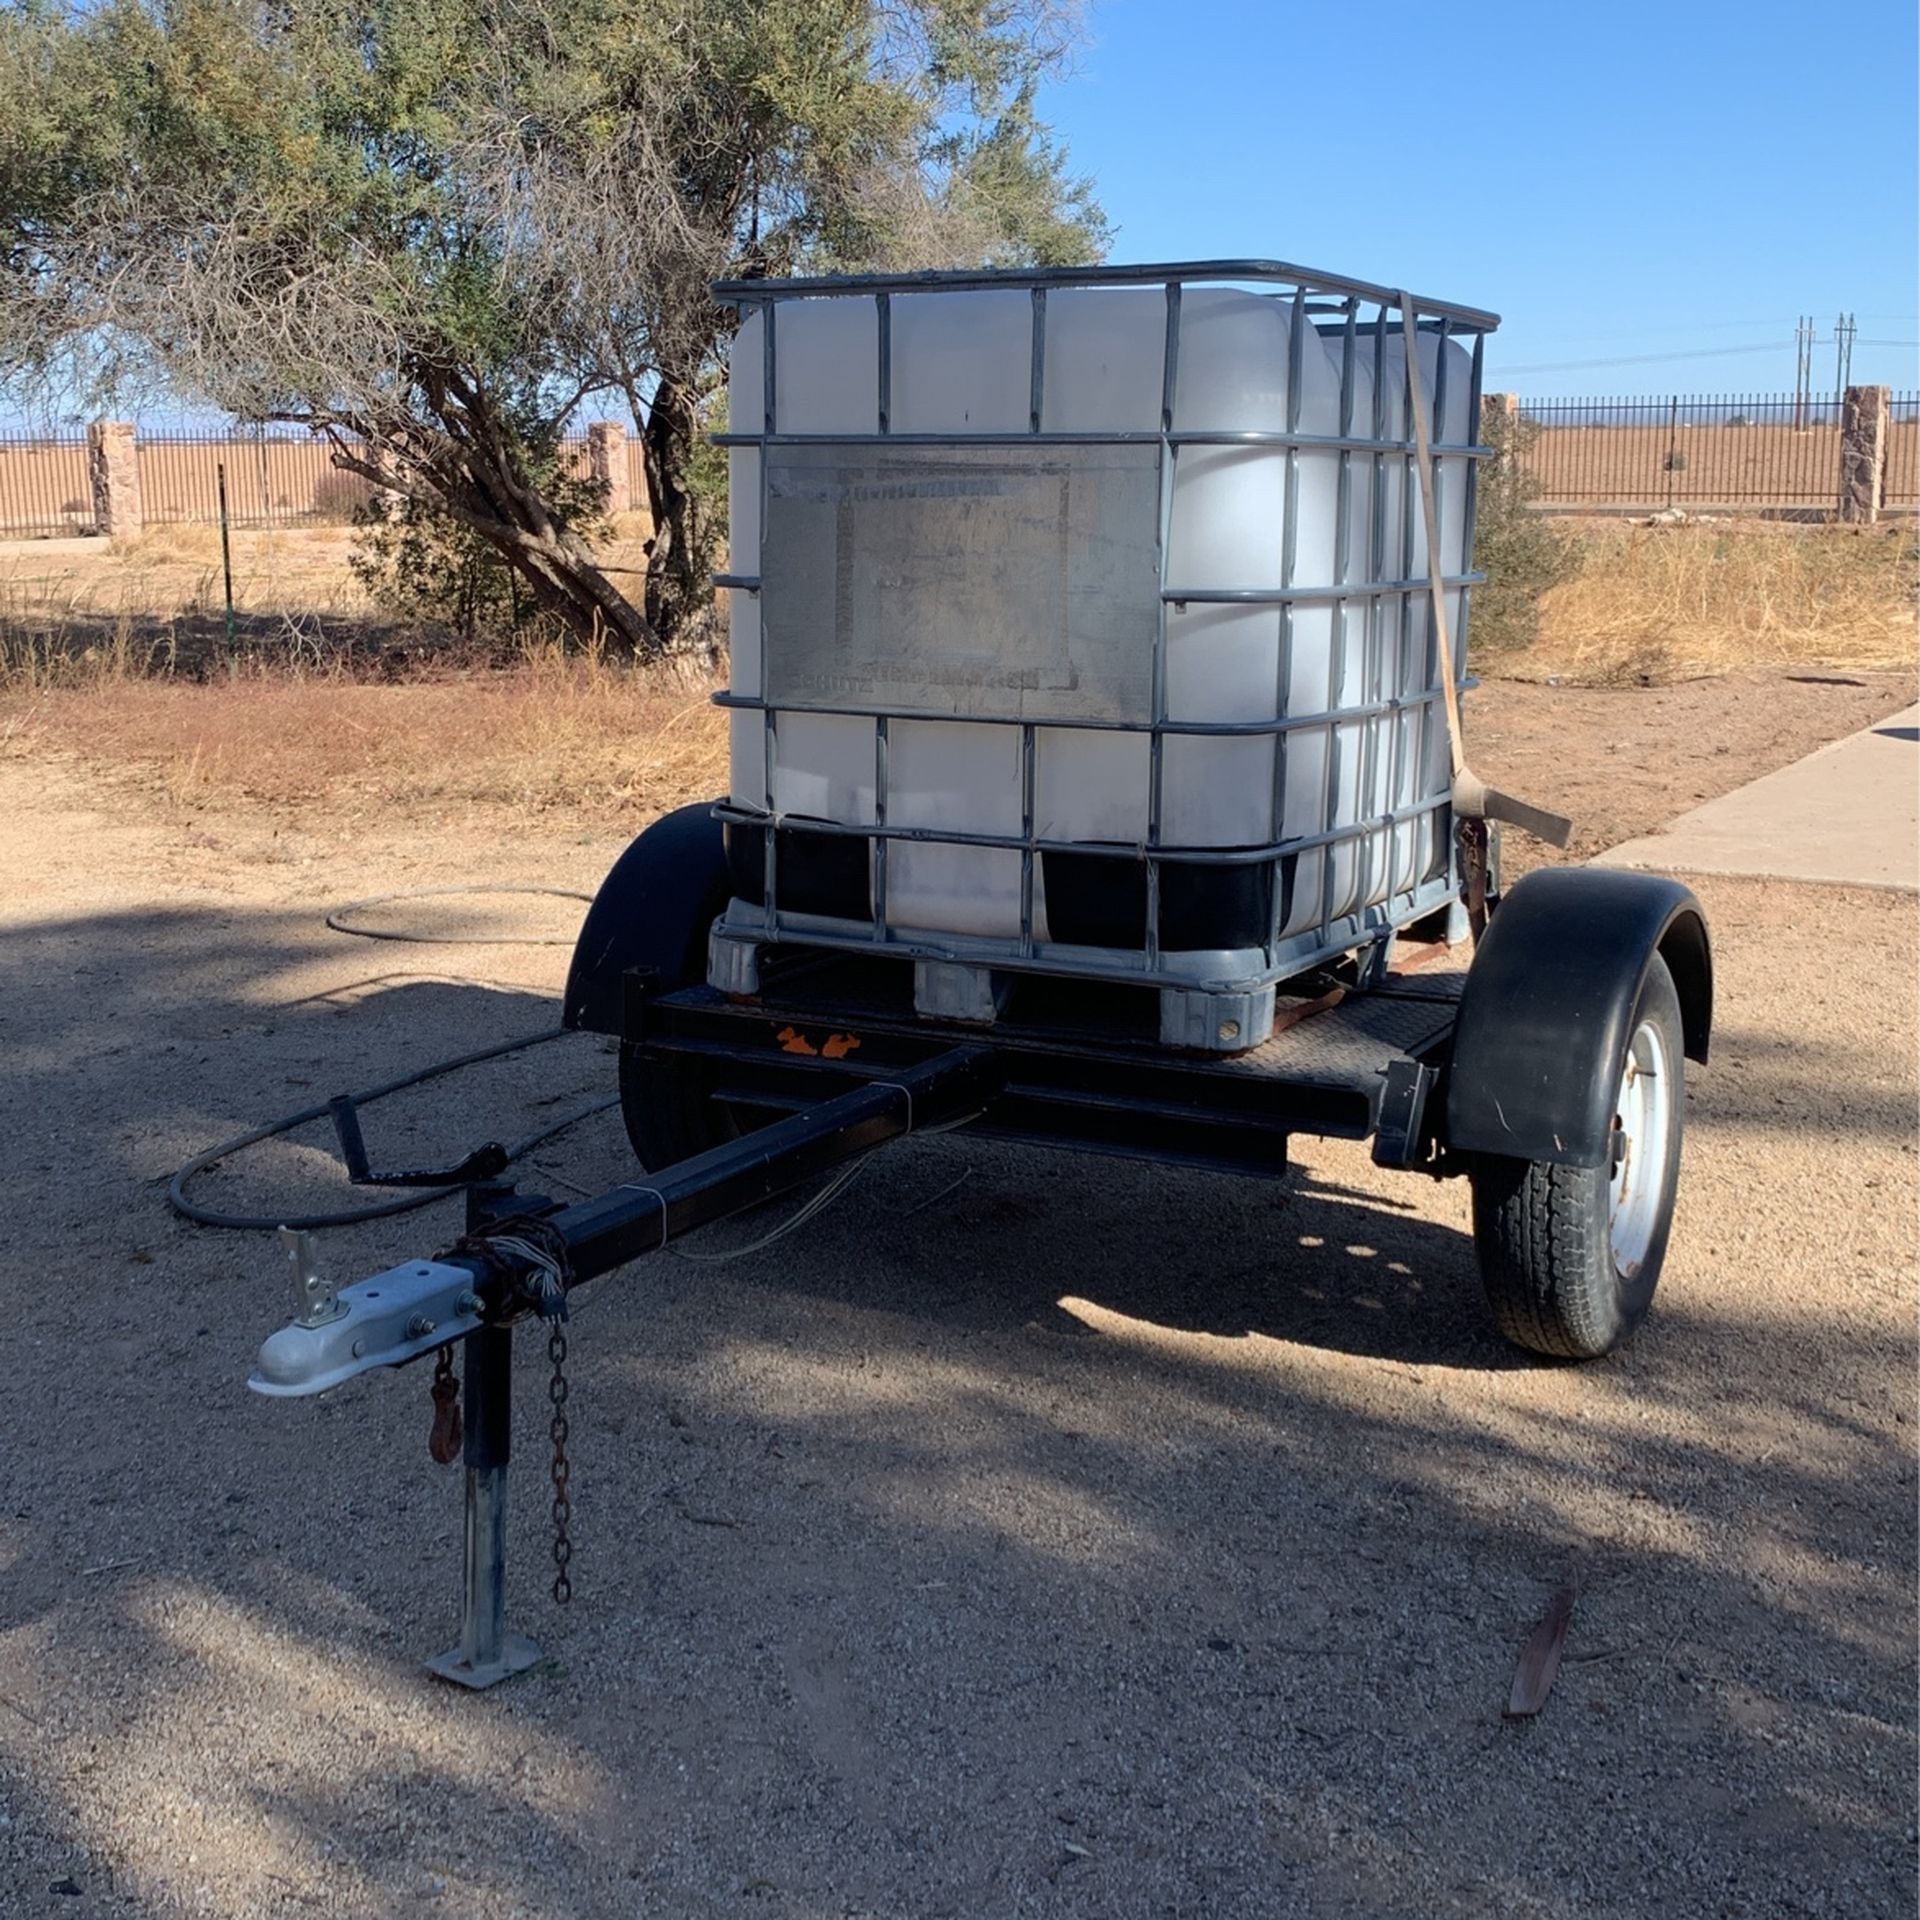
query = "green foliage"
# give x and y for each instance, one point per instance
(1521, 551)
(707, 470)
(438, 229)
(437, 577)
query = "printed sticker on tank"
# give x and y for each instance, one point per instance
(995, 583)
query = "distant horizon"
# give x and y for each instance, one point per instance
(18, 424)
(1552, 382)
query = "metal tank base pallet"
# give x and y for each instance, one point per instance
(1195, 1019)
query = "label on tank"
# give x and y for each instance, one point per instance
(998, 583)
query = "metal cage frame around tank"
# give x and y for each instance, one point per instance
(1334, 306)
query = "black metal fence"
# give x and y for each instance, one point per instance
(43, 484)
(1902, 487)
(1741, 452)
(276, 477)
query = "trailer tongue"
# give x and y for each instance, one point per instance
(522, 1255)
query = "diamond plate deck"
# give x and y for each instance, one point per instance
(1360, 1037)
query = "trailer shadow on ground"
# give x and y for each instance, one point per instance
(1030, 1533)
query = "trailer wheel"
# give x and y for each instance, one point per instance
(667, 1102)
(1570, 1256)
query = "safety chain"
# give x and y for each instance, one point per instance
(542, 1252)
(443, 1440)
(562, 1469)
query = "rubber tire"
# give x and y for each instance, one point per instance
(668, 1105)
(1541, 1230)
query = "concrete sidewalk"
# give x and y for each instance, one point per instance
(1848, 814)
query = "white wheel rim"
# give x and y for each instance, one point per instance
(1643, 1112)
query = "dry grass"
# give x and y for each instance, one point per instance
(602, 742)
(1677, 602)
(88, 646)
(80, 612)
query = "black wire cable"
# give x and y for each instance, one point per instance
(338, 919)
(190, 1209)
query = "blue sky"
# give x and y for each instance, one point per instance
(1616, 181)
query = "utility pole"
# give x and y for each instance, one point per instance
(1843, 332)
(1802, 371)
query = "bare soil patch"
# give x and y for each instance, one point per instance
(1029, 1534)
(1622, 761)
(603, 750)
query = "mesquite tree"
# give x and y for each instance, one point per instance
(434, 230)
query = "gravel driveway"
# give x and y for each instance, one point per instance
(1029, 1535)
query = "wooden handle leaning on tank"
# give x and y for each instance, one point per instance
(1473, 799)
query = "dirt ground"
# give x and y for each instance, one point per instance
(1621, 761)
(1028, 1535)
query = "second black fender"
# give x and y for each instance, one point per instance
(1542, 1032)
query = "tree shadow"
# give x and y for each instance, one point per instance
(1032, 1533)
(1297, 1258)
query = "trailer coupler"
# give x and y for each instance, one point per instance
(521, 1255)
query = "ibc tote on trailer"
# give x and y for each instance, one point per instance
(1082, 629)
(1097, 781)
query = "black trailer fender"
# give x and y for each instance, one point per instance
(653, 910)
(1542, 1030)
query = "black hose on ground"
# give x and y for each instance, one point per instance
(190, 1209)
(338, 919)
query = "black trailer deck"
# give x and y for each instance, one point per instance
(1585, 992)
(1081, 1066)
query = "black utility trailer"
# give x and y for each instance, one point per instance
(1548, 1071)
(994, 629)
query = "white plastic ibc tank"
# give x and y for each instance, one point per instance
(960, 365)
(1405, 755)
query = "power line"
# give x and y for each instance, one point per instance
(1643, 359)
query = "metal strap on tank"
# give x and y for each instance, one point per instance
(1029, 744)
(1166, 474)
(1430, 514)
(1470, 794)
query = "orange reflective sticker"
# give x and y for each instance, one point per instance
(839, 1045)
(792, 1042)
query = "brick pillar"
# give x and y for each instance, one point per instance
(1497, 410)
(113, 472)
(607, 462)
(1863, 453)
